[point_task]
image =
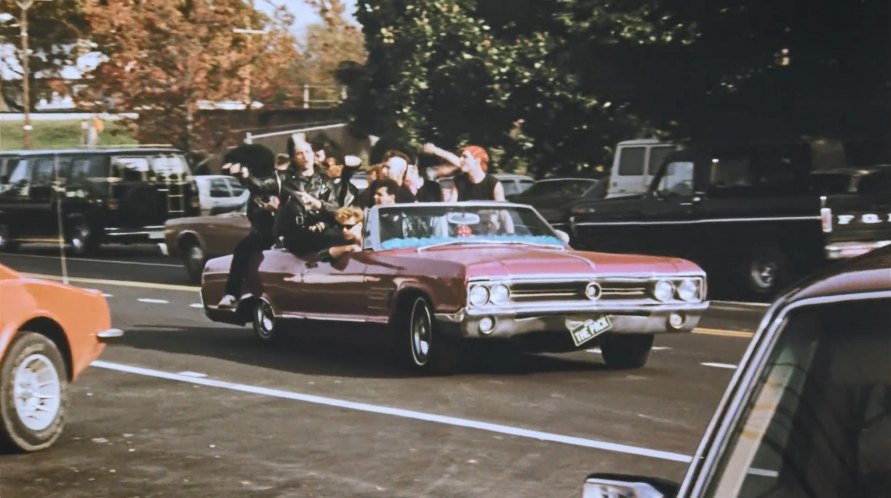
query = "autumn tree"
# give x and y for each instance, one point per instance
(164, 57)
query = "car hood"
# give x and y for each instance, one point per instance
(510, 260)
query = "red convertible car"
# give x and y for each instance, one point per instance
(435, 274)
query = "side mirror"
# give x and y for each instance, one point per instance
(563, 236)
(628, 486)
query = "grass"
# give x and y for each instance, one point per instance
(59, 134)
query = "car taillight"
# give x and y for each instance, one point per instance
(195, 202)
(826, 219)
(114, 204)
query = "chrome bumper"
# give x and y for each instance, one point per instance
(842, 250)
(625, 320)
(108, 334)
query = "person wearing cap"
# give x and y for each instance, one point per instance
(474, 183)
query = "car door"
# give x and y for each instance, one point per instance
(219, 195)
(41, 209)
(668, 225)
(335, 288)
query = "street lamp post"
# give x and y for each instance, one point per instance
(248, 101)
(26, 73)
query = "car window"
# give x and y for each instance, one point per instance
(657, 156)
(631, 161)
(814, 424)
(876, 183)
(20, 174)
(677, 179)
(44, 172)
(169, 165)
(730, 174)
(236, 187)
(130, 168)
(90, 167)
(219, 187)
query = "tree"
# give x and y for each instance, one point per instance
(164, 56)
(56, 34)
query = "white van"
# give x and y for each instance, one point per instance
(634, 165)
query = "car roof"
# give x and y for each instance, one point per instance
(512, 176)
(868, 273)
(103, 150)
(543, 180)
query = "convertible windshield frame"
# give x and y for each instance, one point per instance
(541, 233)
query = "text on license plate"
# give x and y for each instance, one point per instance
(584, 331)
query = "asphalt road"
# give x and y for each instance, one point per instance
(181, 406)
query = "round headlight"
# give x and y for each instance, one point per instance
(663, 291)
(478, 295)
(688, 290)
(499, 294)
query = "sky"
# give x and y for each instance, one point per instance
(304, 14)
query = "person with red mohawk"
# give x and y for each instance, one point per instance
(475, 183)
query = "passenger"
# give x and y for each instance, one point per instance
(424, 189)
(396, 166)
(391, 225)
(261, 208)
(307, 207)
(474, 183)
(350, 220)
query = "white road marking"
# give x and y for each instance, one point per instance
(401, 413)
(196, 305)
(105, 294)
(661, 348)
(720, 365)
(594, 350)
(188, 373)
(156, 301)
(99, 260)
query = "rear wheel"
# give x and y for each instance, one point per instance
(626, 351)
(83, 237)
(6, 243)
(194, 258)
(264, 321)
(33, 393)
(764, 270)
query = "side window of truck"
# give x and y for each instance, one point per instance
(130, 169)
(730, 176)
(876, 183)
(677, 179)
(657, 155)
(631, 161)
(44, 172)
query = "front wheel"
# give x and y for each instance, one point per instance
(427, 351)
(626, 351)
(194, 258)
(264, 321)
(33, 393)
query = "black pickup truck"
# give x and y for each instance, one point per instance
(752, 217)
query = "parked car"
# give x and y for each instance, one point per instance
(634, 164)
(220, 193)
(512, 184)
(49, 333)
(438, 274)
(197, 238)
(808, 411)
(749, 214)
(121, 194)
(553, 196)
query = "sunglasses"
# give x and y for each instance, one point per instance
(349, 226)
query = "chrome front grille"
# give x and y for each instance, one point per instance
(524, 292)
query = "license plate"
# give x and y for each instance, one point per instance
(584, 331)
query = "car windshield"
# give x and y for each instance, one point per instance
(424, 225)
(816, 416)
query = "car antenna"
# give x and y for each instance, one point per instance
(59, 189)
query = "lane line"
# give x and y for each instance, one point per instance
(723, 332)
(122, 283)
(196, 305)
(154, 301)
(720, 365)
(401, 413)
(90, 260)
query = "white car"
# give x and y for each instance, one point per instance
(220, 194)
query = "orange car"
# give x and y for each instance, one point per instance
(49, 333)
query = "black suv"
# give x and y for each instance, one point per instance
(752, 215)
(124, 194)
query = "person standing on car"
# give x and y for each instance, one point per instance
(474, 183)
(243, 162)
(424, 189)
(308, 203)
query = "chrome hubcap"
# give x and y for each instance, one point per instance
(764, 273)
(36, 392)
(196, 256)
(420, 336)
(265, 319)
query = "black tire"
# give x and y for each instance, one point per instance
(82, 236)
(423, 349)
(763, 271)
(34, 369)
(194, 257)
(626, 350)
(6, 242)
(263, 321)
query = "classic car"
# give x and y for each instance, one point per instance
(808, 411)
(49, 333)
(195, 239)
(219, 193)
(432, 273)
